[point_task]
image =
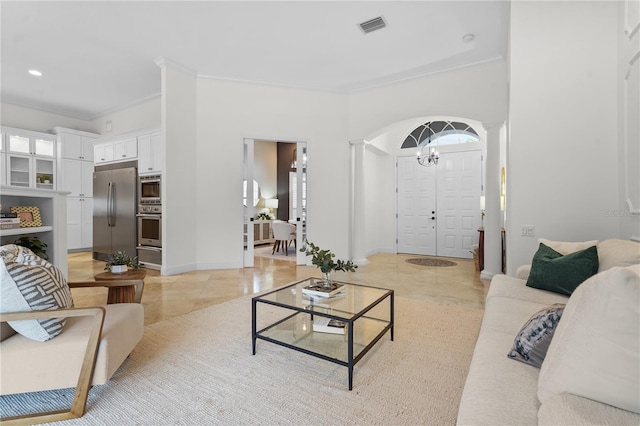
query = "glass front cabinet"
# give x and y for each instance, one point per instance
(30, 159)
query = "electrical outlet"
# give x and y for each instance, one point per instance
(527, 231)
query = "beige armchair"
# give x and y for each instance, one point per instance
(94, 343)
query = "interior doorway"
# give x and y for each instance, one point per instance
(439, 206)
(278, 170)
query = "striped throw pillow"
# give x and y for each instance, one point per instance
(33, 287)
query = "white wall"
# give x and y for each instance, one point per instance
(562, 145)
(229, 112)
(143, 115)
(478, 93)
(39, 121)
(180, 188)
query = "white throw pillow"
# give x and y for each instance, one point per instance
(566, 247)
(617, 252)
(595, 351)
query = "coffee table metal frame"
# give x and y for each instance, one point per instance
(343, 310)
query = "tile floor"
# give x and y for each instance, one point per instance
(168, 296)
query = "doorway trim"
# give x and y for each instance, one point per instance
(249, 212)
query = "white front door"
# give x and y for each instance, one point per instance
(458, 202)
(439, 206)
(416, 207)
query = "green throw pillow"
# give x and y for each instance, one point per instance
(562, 274)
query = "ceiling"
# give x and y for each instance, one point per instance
(98, 56)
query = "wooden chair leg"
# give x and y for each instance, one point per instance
(276, 243)
(79, 404)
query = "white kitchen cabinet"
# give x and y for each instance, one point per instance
(125, 149)
(79, 223)
(150, 153)
(29, 171)
(75, 144)
(29, 159)
(75, 165)
(103, 152)
(3, 162)
(3, 168)
(77, 177)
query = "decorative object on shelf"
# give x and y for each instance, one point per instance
(263, 216)
(33, 243)
(120, 262)
(29, 216)
(323, 259)
(45, 179)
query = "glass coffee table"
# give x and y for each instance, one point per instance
(359, 307)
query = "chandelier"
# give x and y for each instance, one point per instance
(430, 159)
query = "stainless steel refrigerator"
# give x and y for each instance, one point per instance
(114, 209)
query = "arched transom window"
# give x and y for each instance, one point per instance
(442, 133)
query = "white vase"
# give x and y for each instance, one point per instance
(118, 269)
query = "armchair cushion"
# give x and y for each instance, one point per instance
(34, 287)
(22, 369)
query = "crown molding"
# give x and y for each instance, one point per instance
(164, 62)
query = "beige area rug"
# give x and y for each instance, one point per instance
(265, 251)
(197, 369)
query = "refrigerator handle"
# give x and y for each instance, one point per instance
(109, 203)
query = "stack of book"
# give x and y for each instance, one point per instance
(9, 221)
(318, 289)
(328, 325)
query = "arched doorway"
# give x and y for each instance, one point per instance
(439, 189)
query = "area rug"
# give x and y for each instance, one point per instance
(198, 369)
(265, 251)
(429, 261)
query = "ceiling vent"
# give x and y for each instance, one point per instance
(373, 24)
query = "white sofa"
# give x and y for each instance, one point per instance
(503, 391)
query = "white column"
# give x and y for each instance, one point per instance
(492, 231)
(358, 218)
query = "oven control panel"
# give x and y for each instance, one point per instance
(154, 209)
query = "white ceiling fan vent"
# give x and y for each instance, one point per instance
(373, 24)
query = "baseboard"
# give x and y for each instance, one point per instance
(175, 270)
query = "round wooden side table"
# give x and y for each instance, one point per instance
(125, 294)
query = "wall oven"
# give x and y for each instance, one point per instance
(149, 190)
(149, 230)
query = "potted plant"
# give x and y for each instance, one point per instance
(323, 259)
(264, 216)
(120, 262)
(33, 243)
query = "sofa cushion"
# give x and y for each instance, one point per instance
(595, 352)
(33, 287)
(552, 271)
(567, 247)
(531, 344)
(566, 409)
(617, 252)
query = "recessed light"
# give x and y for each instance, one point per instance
(35, 72)
(468, 38)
